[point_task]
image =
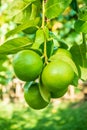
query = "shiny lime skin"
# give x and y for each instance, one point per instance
(59, 93)
(27, 65)
(63, 52)
(57, 75)
(34, 98)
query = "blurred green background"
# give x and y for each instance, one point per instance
(63, 116)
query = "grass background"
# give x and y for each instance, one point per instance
(65, 116)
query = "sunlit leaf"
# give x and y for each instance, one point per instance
(83, 13)
(18, 6)
(79, 54)
(81, 26)
(27, 24)
(15, 45)
(55, 7)
(39, 39)
(80, 59)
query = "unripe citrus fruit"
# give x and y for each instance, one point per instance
(57, 75)
(34, 98)
(27, 65)
(63, 52)
(59, 93)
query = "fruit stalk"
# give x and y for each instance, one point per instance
(43, 13)
(43, 26)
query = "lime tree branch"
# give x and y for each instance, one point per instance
(43, 13)
(43, 27)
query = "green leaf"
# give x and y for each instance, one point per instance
(34, 12)
(61, 42)
(83, 13)
(3, 80)
(55, 7)
(79, 54)
(41, 34)
(50, 47)
(23, 16)
(14, 45)
(81, 26)
(3, 58)
(27, 1)
(29, 13)
(83, 73)
(2, 68)
(36, 9)
(74, 5)
(85, 1)
(27, 24)
(39, 39)
(17, 7)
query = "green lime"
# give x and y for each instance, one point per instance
(27, 65)
(57, 75)
(59, 93)
(33, 97)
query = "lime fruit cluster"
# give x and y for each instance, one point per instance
(53, 78)
(58, 74)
